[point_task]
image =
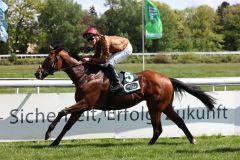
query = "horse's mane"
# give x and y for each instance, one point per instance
(75, 56)
(72, 52)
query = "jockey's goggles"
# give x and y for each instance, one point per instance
(89, 37)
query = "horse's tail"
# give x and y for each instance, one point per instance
(206, 99)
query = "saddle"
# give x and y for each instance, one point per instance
(129, 81)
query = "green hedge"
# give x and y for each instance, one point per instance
(185, 59)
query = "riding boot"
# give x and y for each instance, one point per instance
(116, 84)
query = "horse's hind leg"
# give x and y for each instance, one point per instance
(72, 120)
(171, 114)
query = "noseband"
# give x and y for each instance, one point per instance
(53, 65)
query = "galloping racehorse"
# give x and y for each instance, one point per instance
(92, 92)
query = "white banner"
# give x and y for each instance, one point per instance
(27, 117)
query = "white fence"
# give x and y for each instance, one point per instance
(22, 56)
(6, 56)
(17, 83)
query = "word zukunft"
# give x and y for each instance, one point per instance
(221, 112)
(141, 114)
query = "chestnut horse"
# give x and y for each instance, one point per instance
(92, 92)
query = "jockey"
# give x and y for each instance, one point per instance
(109, 50)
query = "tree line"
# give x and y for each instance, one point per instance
(50, 22)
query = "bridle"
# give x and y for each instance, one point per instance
(57, 57)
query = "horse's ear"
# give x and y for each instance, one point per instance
(51, 47)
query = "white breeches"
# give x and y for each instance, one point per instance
(119, 56)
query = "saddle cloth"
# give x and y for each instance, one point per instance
(130, 83)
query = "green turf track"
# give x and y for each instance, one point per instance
(172, 70)
(208, 148)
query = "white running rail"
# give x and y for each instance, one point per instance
(17, 83)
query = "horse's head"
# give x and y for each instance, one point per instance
(57, 59)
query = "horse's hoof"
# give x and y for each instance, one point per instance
(47, 135)
(54, 144)
(194, 141)
(151, 143)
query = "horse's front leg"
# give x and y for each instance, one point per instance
(72, 120)
(54, 123)
(75, 110)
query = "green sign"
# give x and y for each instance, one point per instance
(153, 21)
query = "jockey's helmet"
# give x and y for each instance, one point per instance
(90, 30)
(90, 33)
